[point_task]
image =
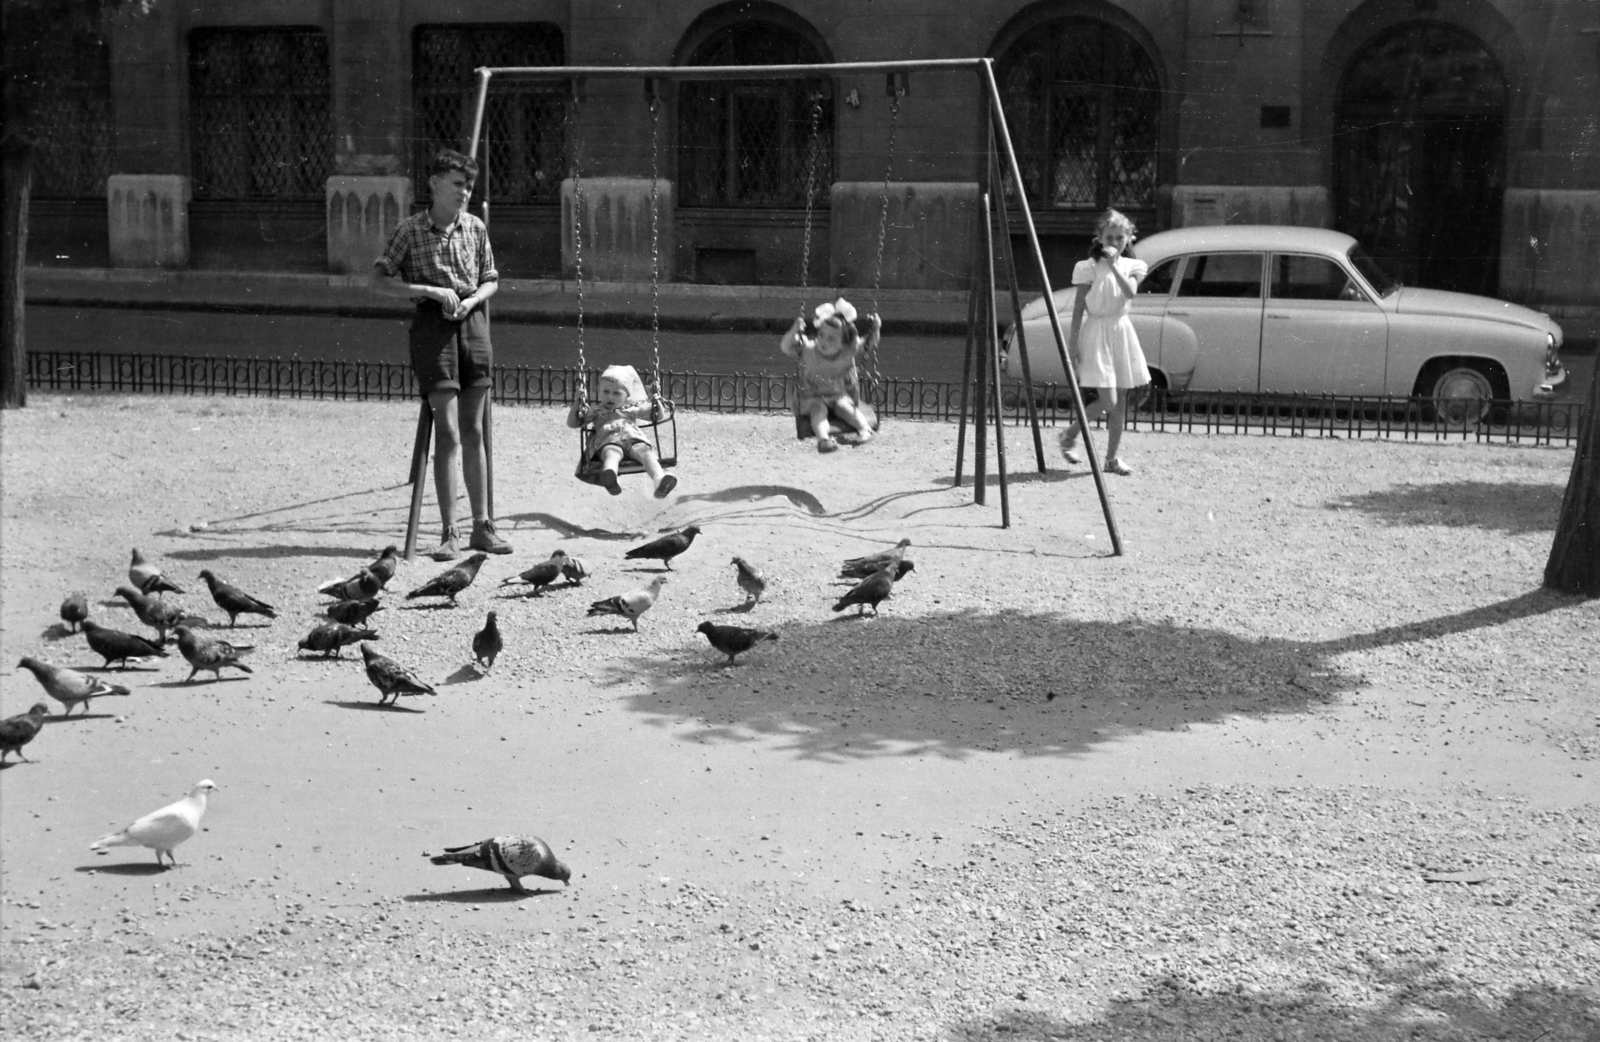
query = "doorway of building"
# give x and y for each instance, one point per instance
(1419, 156)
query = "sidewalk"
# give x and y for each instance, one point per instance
(684, 307)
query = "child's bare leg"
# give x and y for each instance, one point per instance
(1069, 437)
(819, 423)
(610, 456)
(1117, 418)
(858, 419)
(664, 483)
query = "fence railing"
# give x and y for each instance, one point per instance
(1515, 422)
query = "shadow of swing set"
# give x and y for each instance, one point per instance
(980, 371)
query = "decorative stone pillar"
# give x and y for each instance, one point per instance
(928, 243)
(148, 218)
(362, 212)
(1303, 205)
(616, 229)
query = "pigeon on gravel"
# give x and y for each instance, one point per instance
(331, 638)
(147, 578)
(17, 731)
(162, 830)
(632, 604)
(576, 570)
(511, 856)
(117, 646)
(352, 613)
(450, 582)
(213, 653)
(734, 640)
(869, 591)
(861, 567)
(153, 612)
(901, 569)
(235, 601)
(74, 609)
(665, 548)
(68, 686)
(486, 643)
(391, 678)
(386, 565)
(363, 586)
(542, 574)
(750, 580)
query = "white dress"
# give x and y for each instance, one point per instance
(1109, 355)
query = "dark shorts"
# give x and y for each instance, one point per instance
(446, 355)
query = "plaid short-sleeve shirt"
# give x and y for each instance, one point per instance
(457, 257)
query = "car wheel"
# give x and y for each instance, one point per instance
(1461, 393)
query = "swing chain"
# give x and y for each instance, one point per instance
(577, 228)
(874, 377)
(655, 247)
(811, 191)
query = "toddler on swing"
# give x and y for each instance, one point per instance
(613, 427)
(828, 369)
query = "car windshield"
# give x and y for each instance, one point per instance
(1382, 282)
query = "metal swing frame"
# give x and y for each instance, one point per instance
(983, 343)
(589, 469)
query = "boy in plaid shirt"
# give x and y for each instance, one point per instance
(442, 259)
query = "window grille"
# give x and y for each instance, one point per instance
(749, 143)
(1083, 105)
(261, 113)
(523, 120)
(74, 128)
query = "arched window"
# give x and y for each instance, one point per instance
(261, 113)
(1083, 104)
(522, 122)
(750, 143)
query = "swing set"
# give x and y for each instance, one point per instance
(980, 380)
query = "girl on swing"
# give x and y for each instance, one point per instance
(614, 430)
(828, 369)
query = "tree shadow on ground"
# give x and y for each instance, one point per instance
(1038, 684)
(1421, 1002)
(1516, 509)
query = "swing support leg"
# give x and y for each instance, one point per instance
(991, 345)
(419, 475)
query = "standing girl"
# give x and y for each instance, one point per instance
(1105, 349)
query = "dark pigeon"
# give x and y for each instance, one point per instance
(861, 567)
(511, 856)
(391, 678)
(665, 548)
(74, 610)
(733, 641)
(487, 643)
(117, 646)
(213, 653)
(869, 591)
(542, 574)
(450, 582)
(17, 731)
(235, 601)
(353, 613)
(157, 614)
(331, 638)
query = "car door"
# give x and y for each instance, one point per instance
(1219, 300)
(1322, 334)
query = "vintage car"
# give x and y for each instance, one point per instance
(1277, 309)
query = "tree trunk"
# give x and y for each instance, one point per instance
(16, 171)
(1574, 565)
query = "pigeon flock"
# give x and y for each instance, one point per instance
(354, 602)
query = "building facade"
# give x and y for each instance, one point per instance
(1458, 139)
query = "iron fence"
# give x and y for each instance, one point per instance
(1511, 422)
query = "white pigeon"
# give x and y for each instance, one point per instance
(162, 830)
(632, 604)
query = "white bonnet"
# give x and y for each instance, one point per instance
(628, 377)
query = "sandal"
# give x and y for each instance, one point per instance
(665, 486)
(826, 445)
(1116, 466)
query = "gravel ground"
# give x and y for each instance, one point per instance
(1314, 759)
